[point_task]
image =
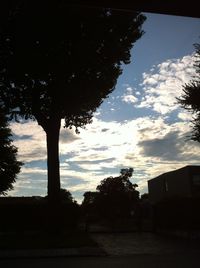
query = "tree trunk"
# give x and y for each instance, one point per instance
(52, 135)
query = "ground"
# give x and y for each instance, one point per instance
(123, 244)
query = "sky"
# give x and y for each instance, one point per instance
(140, 125)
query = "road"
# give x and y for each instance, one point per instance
(139, 261)
(124, 250)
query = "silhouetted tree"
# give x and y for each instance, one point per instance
(118, 195)
(144, 196)
(190, 98)
(90, 208)
(66, 196)
(9, 166)
(60, 62)
(90, 204)
(89, 198)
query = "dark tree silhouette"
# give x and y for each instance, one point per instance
(61, 62)
(190, 98)
(118, 184)
(90, 208)
(116, 198)
(9, 166)
(66, 196)
(90, 203)
(118, 195)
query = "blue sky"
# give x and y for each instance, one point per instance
(140, 125)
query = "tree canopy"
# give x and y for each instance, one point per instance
(118, 185)
(115, 196)
(9, 166)
(56, 59)
(190, 98)
(60, 62)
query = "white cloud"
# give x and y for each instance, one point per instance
(163, 85)
(185, 116)
(68, 135)
(33, 147)
(129, 89)
(129, 98)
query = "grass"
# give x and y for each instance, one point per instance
(45, 240)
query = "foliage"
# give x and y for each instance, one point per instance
(144, 196)
(33, 213)
(60, 62)
(190, 98)
(115, 196)
(66, 196)
(89, 198)
(178, 213)
(115, 185)
(67, 64)
(90, 206)
(9, 166)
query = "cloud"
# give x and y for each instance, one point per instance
(30, 139)
(72, 181)
(128, 97)
(164, 84)
(161, 147)
(95, 165)
(104, 129)
(185, 116)
(68, 135)
(165, 148)
(171, 144)
(30, 182)
(22, 137)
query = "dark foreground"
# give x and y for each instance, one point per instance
(188, 260)
(121, 250)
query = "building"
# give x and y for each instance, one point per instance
(183, 182)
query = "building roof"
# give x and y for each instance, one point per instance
(189, 167)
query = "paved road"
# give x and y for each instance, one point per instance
(135, 261)
(124, 250)
(124, 244)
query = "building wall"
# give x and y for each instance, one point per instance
(184, 182)
(195, 180)
(156, 188)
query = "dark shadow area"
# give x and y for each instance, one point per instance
(175, 199)
(115, 206)
(32, 213)
(68, 66)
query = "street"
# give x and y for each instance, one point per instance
(124, 250)
(186, 260)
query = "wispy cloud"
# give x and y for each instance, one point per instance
(32, 148)
(68, 135)
(128, 96)
(164, 84)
